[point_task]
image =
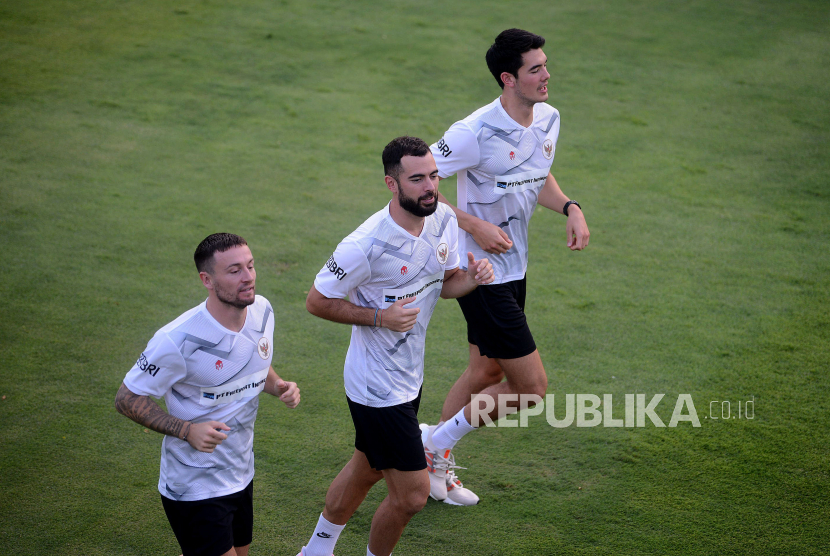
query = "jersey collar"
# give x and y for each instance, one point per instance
(203, 308)
(388, 216)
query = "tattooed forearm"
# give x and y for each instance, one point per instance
(145, 411)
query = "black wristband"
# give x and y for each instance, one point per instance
(569, 203)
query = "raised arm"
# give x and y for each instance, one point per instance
(576, 229)
(144, 411)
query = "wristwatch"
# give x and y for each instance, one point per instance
(569, 203)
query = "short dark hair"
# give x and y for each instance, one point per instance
(212, 244)
(399, 148)
(505, 55)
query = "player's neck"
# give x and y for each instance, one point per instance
(405, 219)
(517, 108)
(227, 315)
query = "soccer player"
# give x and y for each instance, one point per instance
(210, 364)
(393, 268)
(502, 154)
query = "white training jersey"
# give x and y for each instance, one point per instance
(501, 168)
(376, 265)
(206, 372)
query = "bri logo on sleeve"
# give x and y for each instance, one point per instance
(146, 366)
(443, 148)
(338, 271)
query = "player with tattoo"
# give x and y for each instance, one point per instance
(210, 364)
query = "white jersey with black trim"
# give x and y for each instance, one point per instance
(206, 372)
(501, 168)
(376, 265)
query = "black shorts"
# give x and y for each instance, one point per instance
(213, 526)
(496, 322)
(389, 436)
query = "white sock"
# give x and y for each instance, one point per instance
(451, 431)
(323, 539)
(369, 552)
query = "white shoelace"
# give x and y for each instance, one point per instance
(445, 464)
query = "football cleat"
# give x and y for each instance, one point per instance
(437, 464)
(457, 495)
(443, 484)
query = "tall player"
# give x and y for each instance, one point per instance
(210, 365)
(393, 268)
(502, 154)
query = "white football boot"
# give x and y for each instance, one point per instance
(437, 464)
(457, 495)
(443, 484)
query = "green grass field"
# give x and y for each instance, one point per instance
(694, 134)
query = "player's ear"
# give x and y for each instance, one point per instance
(207, 280)
(508, 79)
(391, 184)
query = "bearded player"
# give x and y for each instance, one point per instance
(393, 268)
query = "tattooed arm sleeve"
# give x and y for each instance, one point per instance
(144, 411)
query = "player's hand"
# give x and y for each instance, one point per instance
(288, 392)
(577, 229)
(490, 237)
(398, 317)
(205, 437)
(480, 271)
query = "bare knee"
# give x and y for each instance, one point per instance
(493, 373)
(526, 375)
(538, 387)
(485, 372)
(533, 388)
(411, 501)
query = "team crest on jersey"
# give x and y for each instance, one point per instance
(512, 155)
(263, 348)
(441, 253)
(404, 270)
(547, 149)
(219, 365)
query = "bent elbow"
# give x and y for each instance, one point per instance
(311, 306)
(314, 302)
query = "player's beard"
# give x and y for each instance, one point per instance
(231, 299)
(412, 205)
